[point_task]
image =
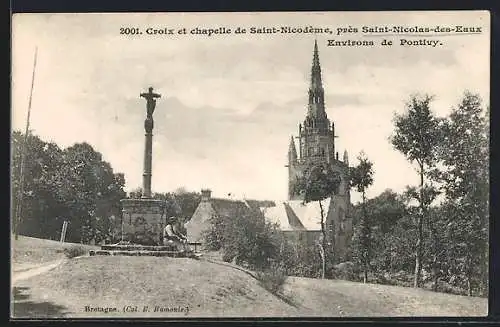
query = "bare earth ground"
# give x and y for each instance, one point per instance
(198, 288)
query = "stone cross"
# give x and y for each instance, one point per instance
(150, 101)
(148, 149)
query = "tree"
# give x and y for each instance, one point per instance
(108, 208)
(299, 259)
(464, 153)
(179, 203)
(85, 183)
(40, 205)
(136, 193)
(317, 183)
(188, 202)
(416, 136)
(73, 184)
(245, 237)
(425, 196)
(386, 212)
(361, 177)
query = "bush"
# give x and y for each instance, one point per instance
(214, 236)
(245, 237)
(74, 251)
(272, 279)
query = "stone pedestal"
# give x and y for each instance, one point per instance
(143, 221)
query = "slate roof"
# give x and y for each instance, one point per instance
(257, 204)
(291, 215)
(228, 207)
(220, 207)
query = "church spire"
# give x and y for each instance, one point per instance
(316, 69)
(316, 107)
(292, 152)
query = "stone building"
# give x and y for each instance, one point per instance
(316, 144)
(299, 221)
(210, 207)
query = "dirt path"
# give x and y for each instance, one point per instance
(31, 272)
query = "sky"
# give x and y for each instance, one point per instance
(230, 102)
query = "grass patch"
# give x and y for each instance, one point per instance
(30, 251)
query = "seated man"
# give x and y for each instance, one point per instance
(172, 235)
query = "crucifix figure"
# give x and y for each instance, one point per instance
(150, 101)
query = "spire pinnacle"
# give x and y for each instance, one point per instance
(316, 69)
(292, 152)
(346, 158)
(315, 55)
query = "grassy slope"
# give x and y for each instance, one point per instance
(28, 252)
(348, 299)
(214, 290)
(207, 289)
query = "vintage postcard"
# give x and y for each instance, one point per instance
(277, 164)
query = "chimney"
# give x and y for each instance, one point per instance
(205, 195)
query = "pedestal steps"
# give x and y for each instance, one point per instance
(174, 254)
(139, 250)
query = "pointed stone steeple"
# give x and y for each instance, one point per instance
(316, 107)
(292, 152)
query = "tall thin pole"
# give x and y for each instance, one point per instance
(23, 155)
